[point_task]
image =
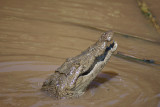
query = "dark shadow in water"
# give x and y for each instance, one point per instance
(101, 79)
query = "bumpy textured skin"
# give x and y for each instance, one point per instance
(75, 74)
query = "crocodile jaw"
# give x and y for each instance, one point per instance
(84, 81)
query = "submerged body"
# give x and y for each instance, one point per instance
(75, 74)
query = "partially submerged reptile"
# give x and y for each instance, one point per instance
(75, 74)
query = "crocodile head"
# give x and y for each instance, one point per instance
(75, 74)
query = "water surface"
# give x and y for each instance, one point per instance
(37, 36)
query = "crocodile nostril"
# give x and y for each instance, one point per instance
(109, 38)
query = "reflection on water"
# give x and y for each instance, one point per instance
(37, 36)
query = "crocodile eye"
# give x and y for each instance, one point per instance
(76, 64)
(68, 59)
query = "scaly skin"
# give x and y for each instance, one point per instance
(75, 74)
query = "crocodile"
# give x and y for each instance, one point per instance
(72, 78)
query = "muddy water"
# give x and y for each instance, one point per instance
(37, 36)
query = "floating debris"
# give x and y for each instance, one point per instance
(148, 14)
(133, 58)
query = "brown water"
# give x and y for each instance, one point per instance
(36, 37)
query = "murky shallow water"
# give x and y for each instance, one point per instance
(37, 36)
(121, 83)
